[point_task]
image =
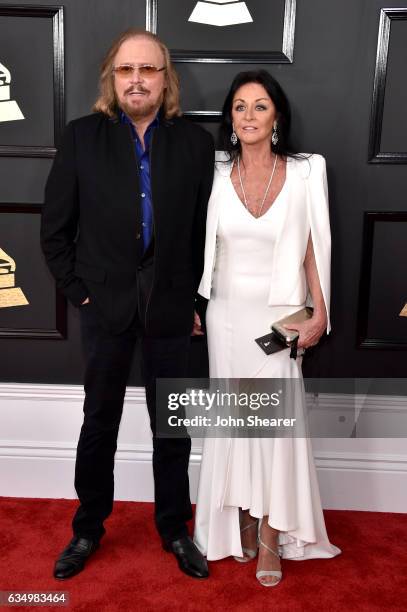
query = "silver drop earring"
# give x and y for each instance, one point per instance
(274, 137)
(233, 137)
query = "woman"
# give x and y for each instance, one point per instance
(267, 253)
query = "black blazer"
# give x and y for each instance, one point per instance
(91, 223)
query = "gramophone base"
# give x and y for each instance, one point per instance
(220, 14)
(12, 297)
(10, 111)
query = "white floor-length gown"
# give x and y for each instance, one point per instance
(274, 477)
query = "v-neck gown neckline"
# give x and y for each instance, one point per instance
(275, 201)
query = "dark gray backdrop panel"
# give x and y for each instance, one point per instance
(388, 292)
(19, 240)
(259, 35)
(330, 87)
(394, 128)
(27, 52)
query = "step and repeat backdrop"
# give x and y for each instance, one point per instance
(342, 65)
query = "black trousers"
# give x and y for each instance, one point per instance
(108, 361)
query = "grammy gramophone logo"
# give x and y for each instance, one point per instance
(9, 109)
(403, 312)
(10, 295)
(221, 13)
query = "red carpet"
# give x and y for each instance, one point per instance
(130, 572)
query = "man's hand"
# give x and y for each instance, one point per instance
(197, 328)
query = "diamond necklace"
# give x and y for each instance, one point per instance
(267, 189)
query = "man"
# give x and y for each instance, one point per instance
(123, 232)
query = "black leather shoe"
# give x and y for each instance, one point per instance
(190, 560)
(72, 559)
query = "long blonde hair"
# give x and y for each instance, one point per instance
(107, 101)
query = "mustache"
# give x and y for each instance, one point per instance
(137, 89)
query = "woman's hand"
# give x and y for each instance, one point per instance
(310, 331)
(197, 328)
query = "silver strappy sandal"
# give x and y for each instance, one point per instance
(249, 552)
(262, 573)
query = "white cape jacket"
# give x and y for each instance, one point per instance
(308, 211)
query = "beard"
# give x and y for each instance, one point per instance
(144, 107)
